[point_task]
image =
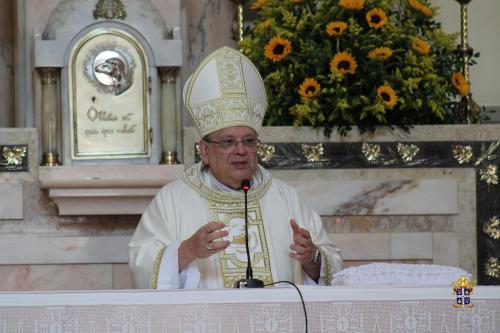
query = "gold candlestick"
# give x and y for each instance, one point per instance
(239, 19)
(468, 110)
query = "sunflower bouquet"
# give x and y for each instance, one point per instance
(344, 63)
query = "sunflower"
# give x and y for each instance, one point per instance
(343, 63)
(418, 6)
(421, 46)
(258, 4)
(309, 88)
(387, 95)
(352, 4)
(277, 49)
(336, 28)
(380, 53)
(460, 83)
(376, 18)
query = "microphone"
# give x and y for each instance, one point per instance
(249, 281)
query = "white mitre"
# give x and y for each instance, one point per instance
(225, 90)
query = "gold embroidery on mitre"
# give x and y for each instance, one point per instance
(230, 103)
(230, 74)
(233, 260)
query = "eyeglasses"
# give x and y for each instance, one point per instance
(229, 144)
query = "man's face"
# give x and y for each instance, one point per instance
(230, 164)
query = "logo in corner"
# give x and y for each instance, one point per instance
(463, 288)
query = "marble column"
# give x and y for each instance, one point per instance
(169, 114)
(50, 116)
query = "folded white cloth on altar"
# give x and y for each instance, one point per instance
(399, 274)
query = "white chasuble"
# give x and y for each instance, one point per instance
(182, 207)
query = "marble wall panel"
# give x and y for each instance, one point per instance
(446, 249)
(121, 276)
(363, 246)
(41, 219)
(63, 250)
(400, 223)
(411, 245)
(208, 26)
(11, 205)
(370, 197)
(55, 277)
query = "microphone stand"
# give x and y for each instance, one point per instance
(249, 281)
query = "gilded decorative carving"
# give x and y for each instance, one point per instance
(371, 152)
(49, 75)
(265, 152)
(487, 154)
(313, 153)
(492, 227)
(168, 74)
(110, 9)
(463, 154)
(492, 268)
(407, 152)
(13, 155)
(489, 174)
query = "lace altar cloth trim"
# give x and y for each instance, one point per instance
(399, 274)
(358, 317)
(328, 311)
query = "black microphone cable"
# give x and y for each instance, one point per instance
(301, 299)
(245, 186)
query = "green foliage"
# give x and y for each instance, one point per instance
(420, 81)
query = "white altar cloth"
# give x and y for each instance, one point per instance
(329, 309)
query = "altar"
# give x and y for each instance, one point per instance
(428, 196)
(276, 309)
